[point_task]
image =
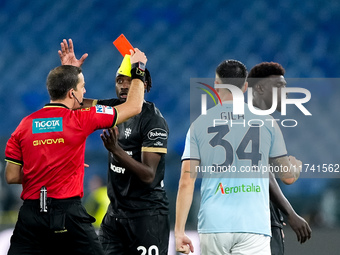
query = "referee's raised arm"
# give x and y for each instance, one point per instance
(135, 97)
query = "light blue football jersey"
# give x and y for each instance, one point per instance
(234, 151)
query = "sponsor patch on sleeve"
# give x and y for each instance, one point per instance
(104, 109)
(157, 133)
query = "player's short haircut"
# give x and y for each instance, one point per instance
(264, 70)
(148, 80)
(61, 79)
(232, 72)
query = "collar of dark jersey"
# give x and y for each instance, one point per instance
(55, 105)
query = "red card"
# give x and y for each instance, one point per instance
(123, 45)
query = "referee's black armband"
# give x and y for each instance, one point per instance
(138, 71)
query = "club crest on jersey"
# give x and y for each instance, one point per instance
(104, 109)
(46, 125)
(157, 133)
(127, 132)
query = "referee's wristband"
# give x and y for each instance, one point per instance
(138, 71)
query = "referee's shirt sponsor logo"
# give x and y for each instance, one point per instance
(157, 133)
(47, 125)
(104, 109)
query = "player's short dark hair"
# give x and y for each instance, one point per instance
(61, 79)
(264, 70)
(148, 80)
(232, 72)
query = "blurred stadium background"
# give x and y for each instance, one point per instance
(182, 40)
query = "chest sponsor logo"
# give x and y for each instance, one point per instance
(48, 141)
(104, 109)
(47, 125)
(220, 189)
(157, 133)
(117, 169)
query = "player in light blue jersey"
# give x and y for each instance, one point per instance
(232, 156)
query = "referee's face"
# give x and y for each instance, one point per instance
(122, 87)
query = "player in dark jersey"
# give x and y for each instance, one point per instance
(137, 219)
(46, 155)
(262, 78)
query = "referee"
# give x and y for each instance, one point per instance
(137, 219)
(46, 155)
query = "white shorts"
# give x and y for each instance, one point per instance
(234, 243)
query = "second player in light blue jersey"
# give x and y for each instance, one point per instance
(232, 154)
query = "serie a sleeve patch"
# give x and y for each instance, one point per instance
(104, 109)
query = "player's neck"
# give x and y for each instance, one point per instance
(260, 104)
(227, 96)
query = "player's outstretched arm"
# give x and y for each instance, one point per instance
(297, 223)
(183, 204)
(67, 56)
(134, 101)
(145, 171)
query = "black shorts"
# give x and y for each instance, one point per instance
(65, 229)
(139, 235)
(277, 242)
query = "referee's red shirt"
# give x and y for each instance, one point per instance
(50, 145)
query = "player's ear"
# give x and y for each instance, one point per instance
(259, 88)
(245, 87)
(70, 93)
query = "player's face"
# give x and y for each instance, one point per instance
(277, 81)
(122, 87)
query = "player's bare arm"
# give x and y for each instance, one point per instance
(145, 170)
(13, 173)
(67, 55)
(183, 204)
(298, 224)
(289, 168)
